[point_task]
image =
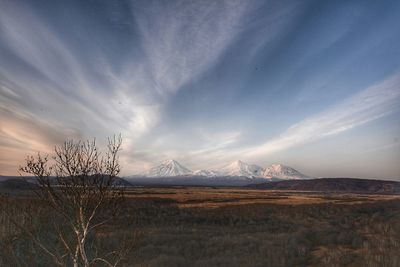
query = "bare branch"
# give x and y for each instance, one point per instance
(80, 185)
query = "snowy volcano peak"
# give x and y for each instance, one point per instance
(282, 172)
(170, 162)
(168, 167)
(207, 173)
(240, 168)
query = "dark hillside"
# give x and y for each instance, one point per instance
(335, 185)
(16, 184)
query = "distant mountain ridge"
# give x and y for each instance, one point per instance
(16, 183)
(206, 173)
(240, 168)
(172, 168)
(339, 185)
(168, 168)
(345, 185)
(283, 172)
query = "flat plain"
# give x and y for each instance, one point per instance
(209, 197)
(211, 226)
(250, 227)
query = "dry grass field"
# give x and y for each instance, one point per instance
(204, 226)
(208, 197)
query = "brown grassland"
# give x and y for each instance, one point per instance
(204, 226)
(206, 197)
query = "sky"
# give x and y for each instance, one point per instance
(311, 84)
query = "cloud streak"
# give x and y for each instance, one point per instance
(370, 104)
(191, 79)
(51, 86)
(181, 39)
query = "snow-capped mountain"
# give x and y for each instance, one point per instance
(207, 173)
(239, 168)
(168, 168)
(280, 171)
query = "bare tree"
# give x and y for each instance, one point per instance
(80, 184)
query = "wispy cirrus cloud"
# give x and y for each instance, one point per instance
(190, 79)
(52, 86)
(181, 39)
(370, 104)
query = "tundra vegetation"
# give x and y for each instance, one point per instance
(185, 226)
(77, 192)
